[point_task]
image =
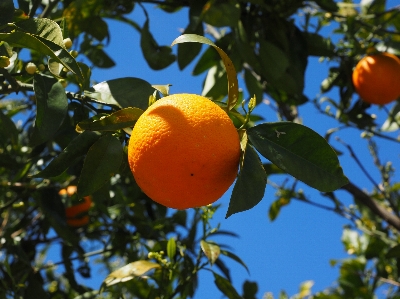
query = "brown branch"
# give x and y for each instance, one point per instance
(375, 207)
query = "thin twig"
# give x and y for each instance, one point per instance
(375, 207)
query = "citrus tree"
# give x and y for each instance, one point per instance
(124, 171)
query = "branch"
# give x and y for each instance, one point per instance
(375, 207)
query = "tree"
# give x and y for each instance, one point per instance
(78, 138)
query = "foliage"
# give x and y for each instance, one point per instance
(52, 138)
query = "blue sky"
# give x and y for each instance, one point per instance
(300, 243)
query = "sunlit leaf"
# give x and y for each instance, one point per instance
(45, 47)
(122, 92)
(233, 88)
(211, 250)
(118, 120)
(45, 28)
(171, 249)
(130, 271)
(102, 161)
(301, 152)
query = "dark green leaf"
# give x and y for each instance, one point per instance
(187, 52)
(118, 120)
(53, 209)
(394, 252)
(274, 61)
(254, 86)
(221, 13)
(250, 185)
(96, 27)
(250, 290)
(209, 58)
(328, 5)
(123, 92)
(318, 45)
(301, 152)
(235, 258)
(8, 130)
(44, 28)
(158, 57)
(35, 288)
(52, 106)
(98, 57)
(226, 287)
(102, 161)
(6, 11)
(75, 149)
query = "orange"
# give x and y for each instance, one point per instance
(77, 214)
(184, 151)
(376, 78)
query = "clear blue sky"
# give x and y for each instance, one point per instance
(280, 254)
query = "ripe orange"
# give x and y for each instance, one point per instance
(77, 214)
(184, 151)
(376, 78)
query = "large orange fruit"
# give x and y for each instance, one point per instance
(184, 151)
(376, 78)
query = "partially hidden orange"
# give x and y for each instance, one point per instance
(376, 78)
(184, 151)
(77, 214)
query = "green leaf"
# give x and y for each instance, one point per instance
(75, 149)
(130, 271)
(6, 11)
(158, 57)
(235, 258)
(250, 290)
(254, 87)
(122, 92)
(52, 106)
(328, 5)
(98, 57)
(274, 61)
(34, 287)
(44, 28)
(276, 206)
(54, 211)
(211, 251)
(233, 88)
(221, 13)
(226, 287)
(317, 45)
(215, 83)
(187, 52)
(102, 161)
(45, 47)
(394, 252)
(171, 249)
(8, 130)
(301, 152)
(250, 185)
(118, 120)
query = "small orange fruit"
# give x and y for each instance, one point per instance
(77, 214)
(376, 78)
(78, 222)
(184, 151)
